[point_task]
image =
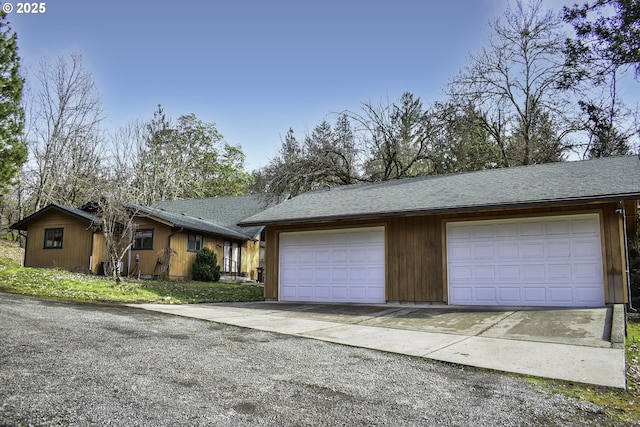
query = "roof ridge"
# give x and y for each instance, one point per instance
(502, 169)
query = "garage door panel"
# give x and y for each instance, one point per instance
(358, 256)
(508, 230)
(483, 251)
(587, 272)
(561, 227)
(485, 273)
(340, 274)
(509, 273)
(483, 231)
(586, 249)
(376, 276)
(532, 250)
(505, 250)
(534, 295)
(532, 228)
(358, 293)
(586, 294)
(357, 273)
(509, 295)
(321, 292)
(586, 226)
(460, 273)
(533, 272)
(555, 261)
(558, 249)
(348, 265)
(559, 272)
(459, 252)
(487, 295)
(562, 295)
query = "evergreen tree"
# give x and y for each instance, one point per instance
(13, 149)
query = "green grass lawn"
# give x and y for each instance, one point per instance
(67, 286)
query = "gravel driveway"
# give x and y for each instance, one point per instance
(74, 364)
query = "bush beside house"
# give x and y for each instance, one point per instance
(206, 268)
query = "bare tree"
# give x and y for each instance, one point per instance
(328, 156)
(389, 141)
(127, 143)
(64, 138)
(117, 226)
(399, 139)
(516, 81)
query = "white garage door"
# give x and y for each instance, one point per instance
(333, 266)
(546, 261)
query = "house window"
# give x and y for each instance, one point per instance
(53, 238)
(195, 242)
(143, 239)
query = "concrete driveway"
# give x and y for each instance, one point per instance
(581, 345)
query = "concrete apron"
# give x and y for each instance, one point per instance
(579, 345)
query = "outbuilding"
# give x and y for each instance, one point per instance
(550, 235)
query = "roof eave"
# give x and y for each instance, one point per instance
(20, 225)
(467, 208)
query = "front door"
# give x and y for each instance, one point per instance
(231, 262)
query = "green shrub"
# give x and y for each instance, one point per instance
(206, 268)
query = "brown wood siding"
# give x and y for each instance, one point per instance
(251, 258)
(416, 247)
(150, 260)
(614, 257)
(99, 253)
(271, 263)
(182, 260)
(76, 243)
(414, 259)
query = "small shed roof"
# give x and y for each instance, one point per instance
(76, 213)
(611, 178)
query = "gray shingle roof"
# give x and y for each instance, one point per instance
(189, 223)
(598, 179)
(222, 212)
(80, 214)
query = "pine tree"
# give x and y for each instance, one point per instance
(13, 149)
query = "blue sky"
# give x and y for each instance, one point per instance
(257, 68)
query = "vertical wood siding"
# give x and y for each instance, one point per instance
(182, 261)
(271, 263)
(251, 258)
(615, 290)
(414, 259)
(150, 260)
(76, 243)
(99, 253)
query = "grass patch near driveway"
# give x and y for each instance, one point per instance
(622, 404)
(68, 286)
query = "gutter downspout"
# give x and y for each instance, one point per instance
(626, 253)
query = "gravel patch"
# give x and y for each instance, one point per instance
(74, 364)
